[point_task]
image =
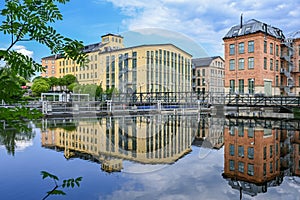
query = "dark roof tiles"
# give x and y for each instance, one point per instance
(254, 26)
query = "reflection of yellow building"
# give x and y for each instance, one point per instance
(144, 68)
(150, 139)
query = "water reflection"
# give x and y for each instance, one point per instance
(157, 139)
(258, 154)
(15, 139)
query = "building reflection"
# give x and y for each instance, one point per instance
(157, 139)
(258, 154)
(210, 132)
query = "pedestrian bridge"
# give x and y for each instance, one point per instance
(286, 102)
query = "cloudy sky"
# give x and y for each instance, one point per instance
(204, 22)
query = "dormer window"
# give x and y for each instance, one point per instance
(235, 32)
(247, 30)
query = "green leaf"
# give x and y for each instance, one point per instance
(56, 192)
(47, 174)
(44, 174)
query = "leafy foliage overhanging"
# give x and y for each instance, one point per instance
(31, 20)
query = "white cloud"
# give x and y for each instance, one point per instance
(206, 21)
(22, 49)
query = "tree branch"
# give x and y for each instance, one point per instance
(50, 192)
(18, 37)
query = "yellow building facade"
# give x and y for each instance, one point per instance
(143, 68)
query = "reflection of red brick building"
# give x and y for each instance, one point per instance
(251, 154)
(296, 153)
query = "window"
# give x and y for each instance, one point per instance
(265, 63)
(241, 167)
(198, 73)
(251, 63)
(250, 152)
(276, 81)
(250, 46)
(203, 72)
(277, 50)
(299, 65)
(271, 151)
(231, 165)
(198, 82)
(265, 153)
(241, 86)
(250, 169)
(232, 64)
(241, 130)
(299, 50)
(271, 64)
(241, 151)
(251, 86)
(241, 63)
(241, 47)
(265, 46)
(231, 149)
(231, 49)
(271, 48)
(231, 130)
(265, 169)
(277, 65)
(250, 132)
(232, 86)
(271, 167)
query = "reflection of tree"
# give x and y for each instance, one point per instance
(10, 137)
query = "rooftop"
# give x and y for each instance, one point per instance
(254, 26)
(203, 62)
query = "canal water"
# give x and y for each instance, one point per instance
(153, 157)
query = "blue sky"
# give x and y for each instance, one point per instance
(203, 22)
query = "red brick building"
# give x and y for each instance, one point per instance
(259, 59)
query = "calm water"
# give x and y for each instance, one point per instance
(154, 157)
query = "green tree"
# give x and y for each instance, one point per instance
(78, 88)
(32, 20)
(90, 89)
(61, 82)
(69, 79)
(21, 80)
(72, 86)
(53, 82)
(39, 86)
(10, 88)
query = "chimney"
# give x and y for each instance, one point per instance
(241, 24)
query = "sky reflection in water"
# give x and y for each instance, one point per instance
(195, 175)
